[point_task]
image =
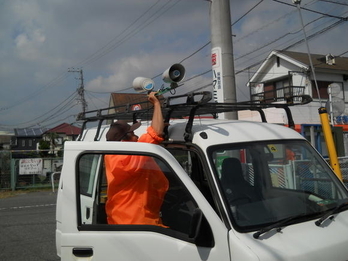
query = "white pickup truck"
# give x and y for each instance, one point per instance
(237, 191)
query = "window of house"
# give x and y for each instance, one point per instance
(269, 92)
(323, 90)
(23, 143)
(276, 90)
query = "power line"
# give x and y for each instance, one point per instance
(60, 120)
(39, 91)
(55, 115)
(297, 42)
(334, 2)
(95, 54)
(294, 44)
(240, 18)
(270, 23)
(276, 40)
(205, 45)
(133, 32)
(64, 103)
(313, 11)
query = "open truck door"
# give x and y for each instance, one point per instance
(193, 229)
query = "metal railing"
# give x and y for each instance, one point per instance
(289, 94)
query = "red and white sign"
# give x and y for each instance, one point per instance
(30, 166)
(136, 107)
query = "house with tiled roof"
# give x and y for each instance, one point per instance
(286, 74)
(27, 138)
(65, 131)
(59, 134)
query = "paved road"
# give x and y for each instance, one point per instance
(27, 227)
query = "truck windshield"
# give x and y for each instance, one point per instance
(266, 182)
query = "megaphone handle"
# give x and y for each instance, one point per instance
(163, 91)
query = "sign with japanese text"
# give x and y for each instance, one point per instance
(217, 74)
(30, 166)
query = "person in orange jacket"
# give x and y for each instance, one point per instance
(136, 184)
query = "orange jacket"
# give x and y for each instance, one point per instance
(136, 187)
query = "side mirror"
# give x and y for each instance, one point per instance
(200, 230)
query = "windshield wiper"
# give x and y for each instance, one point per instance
(278, 225)
(339, 208)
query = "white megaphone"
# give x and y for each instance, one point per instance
(142, 84)
(174, 74)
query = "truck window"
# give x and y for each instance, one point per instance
(193, 166)
(175, 212)
(265, 182)
(88, 167)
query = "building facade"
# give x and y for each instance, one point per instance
(286, 77)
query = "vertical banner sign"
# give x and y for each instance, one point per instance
(30, 166)
(217, 74)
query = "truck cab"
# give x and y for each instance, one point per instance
(237, 191)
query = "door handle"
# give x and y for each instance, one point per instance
(83, 252)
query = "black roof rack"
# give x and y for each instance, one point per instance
(189, 109)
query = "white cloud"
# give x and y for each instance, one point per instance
(28, 44)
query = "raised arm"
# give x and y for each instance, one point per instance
(157, 118)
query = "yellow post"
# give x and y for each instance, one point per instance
(329, 142)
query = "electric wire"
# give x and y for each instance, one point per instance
(240, 18)
(275, 40)
(60, 120)
(90, 94)
(310, 10)
(135, 31)
(64, 103)
(334, 2)
(96, 53)
(202, 47)
(50, 118)
(293, 40)
(53, 83)
(298, 42)
(282, 17)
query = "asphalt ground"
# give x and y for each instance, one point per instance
(27, 226)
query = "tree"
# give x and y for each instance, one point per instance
(44, 145)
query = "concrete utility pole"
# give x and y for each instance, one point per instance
(81, 90)
(224, 81)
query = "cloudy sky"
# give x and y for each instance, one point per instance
(42, 43)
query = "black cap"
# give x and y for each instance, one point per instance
(119, 129)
